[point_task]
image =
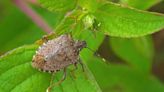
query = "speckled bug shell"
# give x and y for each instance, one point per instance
(57, 53)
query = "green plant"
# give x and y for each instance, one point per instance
(89, 20)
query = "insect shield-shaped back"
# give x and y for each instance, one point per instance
(57, 53)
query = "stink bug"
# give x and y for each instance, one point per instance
(57, 54)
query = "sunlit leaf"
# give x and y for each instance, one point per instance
(58, 5)
(139, 4)
(121, 21)
(140, 49)
(17, 74)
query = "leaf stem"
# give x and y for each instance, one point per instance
(36, 18)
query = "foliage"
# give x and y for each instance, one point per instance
(88, 20)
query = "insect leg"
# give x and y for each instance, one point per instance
(72, 71)
(82, 65)
(58, 83)
(63, 78)
(45, 38)
(51, 83)
(75, 64)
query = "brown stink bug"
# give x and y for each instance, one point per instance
(57, 54)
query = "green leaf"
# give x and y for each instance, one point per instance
(17, 74)
(58, 5)
(121, 21)
(139, 4)
(140, 49)
(120, 78)
(138, 52)
(90, 5)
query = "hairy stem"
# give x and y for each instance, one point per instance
(36, 18)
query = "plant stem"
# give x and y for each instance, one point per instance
(36, 18)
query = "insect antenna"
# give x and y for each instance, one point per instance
(97, 55)
(95, 52)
